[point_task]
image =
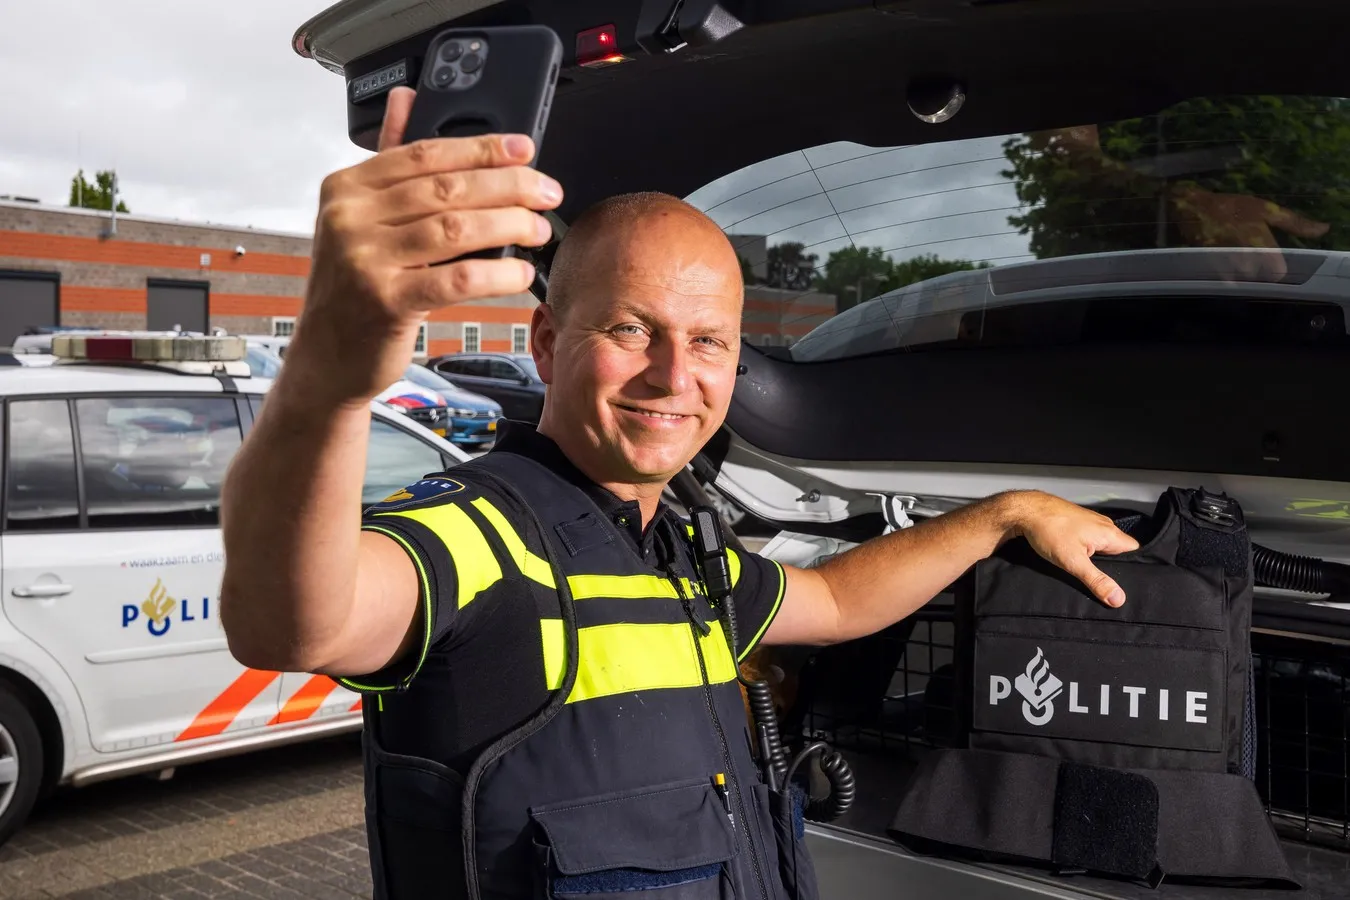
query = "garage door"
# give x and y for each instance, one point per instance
(25, 303)
(176, 303)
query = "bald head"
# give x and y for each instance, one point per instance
(615, 229)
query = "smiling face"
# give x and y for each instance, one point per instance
(640, 355)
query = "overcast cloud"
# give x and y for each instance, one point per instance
(202, 106)
(208, 115)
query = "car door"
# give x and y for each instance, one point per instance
(395, 457)
(471, 373)
(113, 562)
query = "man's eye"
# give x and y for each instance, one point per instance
(628, 330)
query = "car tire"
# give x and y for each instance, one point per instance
(20, 763)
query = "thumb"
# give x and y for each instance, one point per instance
(397, 109)
(1101, 585)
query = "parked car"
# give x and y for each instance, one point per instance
(1088, 141)
(112, 660)
(509, 378)
(473, 417)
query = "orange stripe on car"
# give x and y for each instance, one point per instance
(220, 712)
(356, 707)
(305, 701)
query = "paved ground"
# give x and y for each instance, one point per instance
(281, 824)
(278, 825)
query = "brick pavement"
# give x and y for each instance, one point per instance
(280, 824)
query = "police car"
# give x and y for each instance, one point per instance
(112, 657)
(850, 148)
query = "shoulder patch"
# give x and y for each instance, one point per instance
(428, 490)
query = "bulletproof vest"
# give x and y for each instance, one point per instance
(612, 788)
(1113, 741)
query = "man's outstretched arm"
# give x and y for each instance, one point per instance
(885, 579)
(305, 589)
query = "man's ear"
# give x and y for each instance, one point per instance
(543, 340)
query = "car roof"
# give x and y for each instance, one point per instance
(86, 378)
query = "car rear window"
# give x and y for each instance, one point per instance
(1218, 218)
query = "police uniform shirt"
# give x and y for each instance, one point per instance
(483, 671)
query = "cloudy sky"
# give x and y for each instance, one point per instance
(202, 107)
(208, 115)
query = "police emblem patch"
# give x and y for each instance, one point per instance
(424, 491)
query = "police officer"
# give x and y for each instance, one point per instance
(551, 706)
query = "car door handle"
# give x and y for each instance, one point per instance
(43, 590)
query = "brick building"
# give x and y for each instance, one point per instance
(65, 266)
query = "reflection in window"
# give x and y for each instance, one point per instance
(154, 461)
(1238, 192)
(395, 459)
(41, 484)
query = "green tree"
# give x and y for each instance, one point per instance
(1251, 171)
(94, 196)
(789, 266)
(857, 274)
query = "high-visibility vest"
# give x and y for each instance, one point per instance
(611, 789)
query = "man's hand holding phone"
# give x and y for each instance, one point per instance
(382, 227)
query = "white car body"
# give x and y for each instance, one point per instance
(113, 633)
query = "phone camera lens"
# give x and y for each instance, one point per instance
(471, 63)
(443, 77)
(452, 51)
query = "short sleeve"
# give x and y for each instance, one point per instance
(428, 520)
(757, 591)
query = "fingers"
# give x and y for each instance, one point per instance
(426, 195)
(1116, 541)
(469, 279)
(427, 157)
(1101, 585)
(398, 106)
(448, 235)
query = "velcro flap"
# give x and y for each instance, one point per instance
(1106, 820)
(664, 829)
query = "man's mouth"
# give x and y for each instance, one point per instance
(655, 414)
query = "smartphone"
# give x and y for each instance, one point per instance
(491, 80)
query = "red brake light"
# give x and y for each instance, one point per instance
(598, 47)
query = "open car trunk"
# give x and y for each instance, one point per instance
(1120, 262)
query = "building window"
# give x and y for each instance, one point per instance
(520, 339)
(420, 348)
(472, 337)
(283, 326)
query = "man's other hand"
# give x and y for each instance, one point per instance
(1068, 536)
(383, 225)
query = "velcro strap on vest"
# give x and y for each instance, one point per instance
(1141, 824)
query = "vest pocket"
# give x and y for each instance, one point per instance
(413, 808)
(669, 842)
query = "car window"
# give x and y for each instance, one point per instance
(262, 364)
(395, 459)
(40, 484)
(527, 363)
(155, 461)
(500, 368)
(1217, 218)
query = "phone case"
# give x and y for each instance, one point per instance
(511, 93)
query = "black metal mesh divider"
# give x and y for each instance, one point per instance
(891, 695)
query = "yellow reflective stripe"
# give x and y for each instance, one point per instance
(773, 611)
(530, 565)
(476, 566)
(623, 658)
(425, 587)
(555, 652)
(624, 587)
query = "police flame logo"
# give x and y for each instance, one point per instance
(1039, 688)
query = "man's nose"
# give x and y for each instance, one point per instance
(668, 368)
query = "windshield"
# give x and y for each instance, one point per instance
(1087, 232)
(424, 377)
